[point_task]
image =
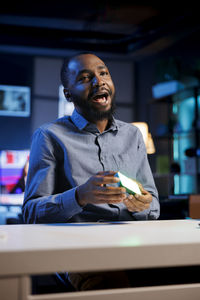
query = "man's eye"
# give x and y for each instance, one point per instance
(85, 78)
(104, 73)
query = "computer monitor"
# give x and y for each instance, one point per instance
(15, 101)
(13, 171)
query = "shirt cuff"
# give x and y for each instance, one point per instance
(70, 204)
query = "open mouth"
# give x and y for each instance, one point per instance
(101, 98)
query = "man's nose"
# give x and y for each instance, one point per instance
(97, 81)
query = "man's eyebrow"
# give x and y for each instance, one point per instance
(89, 71)
(102, 67)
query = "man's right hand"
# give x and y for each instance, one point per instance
(96, 191)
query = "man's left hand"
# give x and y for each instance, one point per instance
(137, 203)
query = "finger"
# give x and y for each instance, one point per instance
(103, 201)
(129, 204)
(147, 198)
(135, 206)
(110, 190)
(110, 198)
(100, 180)
(141, 206)
(140, 185)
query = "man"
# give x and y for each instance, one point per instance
(73, 160)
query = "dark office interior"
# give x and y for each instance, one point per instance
(152, 50)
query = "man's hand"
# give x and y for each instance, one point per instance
(136, 203)
(95, 190)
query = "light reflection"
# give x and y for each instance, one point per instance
(130, 242)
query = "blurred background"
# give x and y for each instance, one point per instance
(152, 50)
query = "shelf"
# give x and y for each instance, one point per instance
(170, 137)
(169, 98)
(179, 197)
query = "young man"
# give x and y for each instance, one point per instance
(73, 160)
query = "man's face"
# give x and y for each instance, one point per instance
(90, 87)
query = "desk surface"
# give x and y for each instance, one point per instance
(35, 249)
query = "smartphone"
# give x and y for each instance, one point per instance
(131, 185)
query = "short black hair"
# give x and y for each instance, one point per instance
(64, 73)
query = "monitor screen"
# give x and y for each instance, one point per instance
(14, 101)
(13, 172)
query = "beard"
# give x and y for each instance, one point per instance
(90, 112)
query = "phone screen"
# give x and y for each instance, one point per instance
(130, 184)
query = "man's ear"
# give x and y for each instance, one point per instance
(67, 94)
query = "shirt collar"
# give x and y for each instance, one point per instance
(79, 120)
(81, 123)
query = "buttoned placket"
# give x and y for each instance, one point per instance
(99, 143)
(102, 158)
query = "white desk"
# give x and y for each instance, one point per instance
(40, 249)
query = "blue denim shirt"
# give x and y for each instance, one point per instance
(66, 153)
